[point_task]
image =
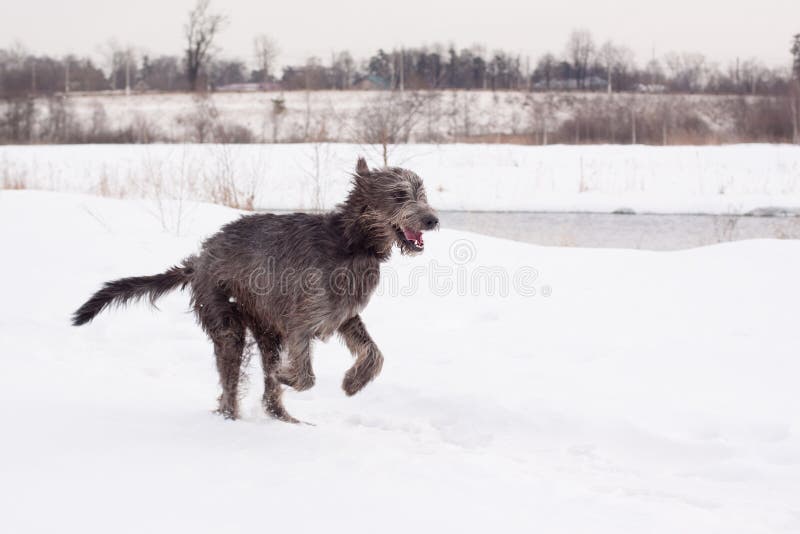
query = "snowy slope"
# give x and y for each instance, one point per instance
(634, 392)
(726, 179)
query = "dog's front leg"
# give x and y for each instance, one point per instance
(297, 372)
(369, 359)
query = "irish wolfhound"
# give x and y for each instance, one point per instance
(290, 279)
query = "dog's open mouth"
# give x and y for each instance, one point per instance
(412, 238)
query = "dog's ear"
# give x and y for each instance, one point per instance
(361, 167)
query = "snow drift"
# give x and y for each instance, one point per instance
(600, 391)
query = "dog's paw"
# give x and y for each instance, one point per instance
(351, 384)
(354, 381)
(362, 373)
(274, 408)
(227, 409)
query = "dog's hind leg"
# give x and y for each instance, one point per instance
(225, 326)
(369, 359)
(298, 372)
(269, 344)
(228, 349)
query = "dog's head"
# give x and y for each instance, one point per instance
(397, 199)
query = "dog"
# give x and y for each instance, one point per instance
(291, 279)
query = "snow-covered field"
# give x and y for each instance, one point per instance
(726, 180)
(602, 391)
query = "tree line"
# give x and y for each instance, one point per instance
(583, 64)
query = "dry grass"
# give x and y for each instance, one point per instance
(104, 188)
(226, 194)
(223, 186)
(675, 139)
(13, 183)
(12, 179)
(221, 183)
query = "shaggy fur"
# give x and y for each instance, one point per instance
(290, 279)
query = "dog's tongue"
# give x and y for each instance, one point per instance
(411, 235)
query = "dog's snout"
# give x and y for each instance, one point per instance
(430, 222)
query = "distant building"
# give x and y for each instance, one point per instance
(650, 88)
(371, 82)
(248, 87)
(591, 83)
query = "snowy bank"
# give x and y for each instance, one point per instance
(601, 391)
(732, 179)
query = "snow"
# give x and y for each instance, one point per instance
(633, 392)
(732, 179)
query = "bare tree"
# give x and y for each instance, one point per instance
(617, 61)
(266, 50)
(343, 70)
(129, 61)
(608, 56)
(111, 52)
(389, 119)
(580, 49)
(794, 97)
(201, 122)
(688, 71)
(541, 115)
(654, 71)
(752, 72)
(67, 60)
(200, 31)
(4, 60)
(794, 90)
(121, 63)
(546, 69)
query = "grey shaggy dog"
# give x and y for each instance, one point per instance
(290, 279)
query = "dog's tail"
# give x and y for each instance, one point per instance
(134, 288)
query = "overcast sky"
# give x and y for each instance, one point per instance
(721, 29)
